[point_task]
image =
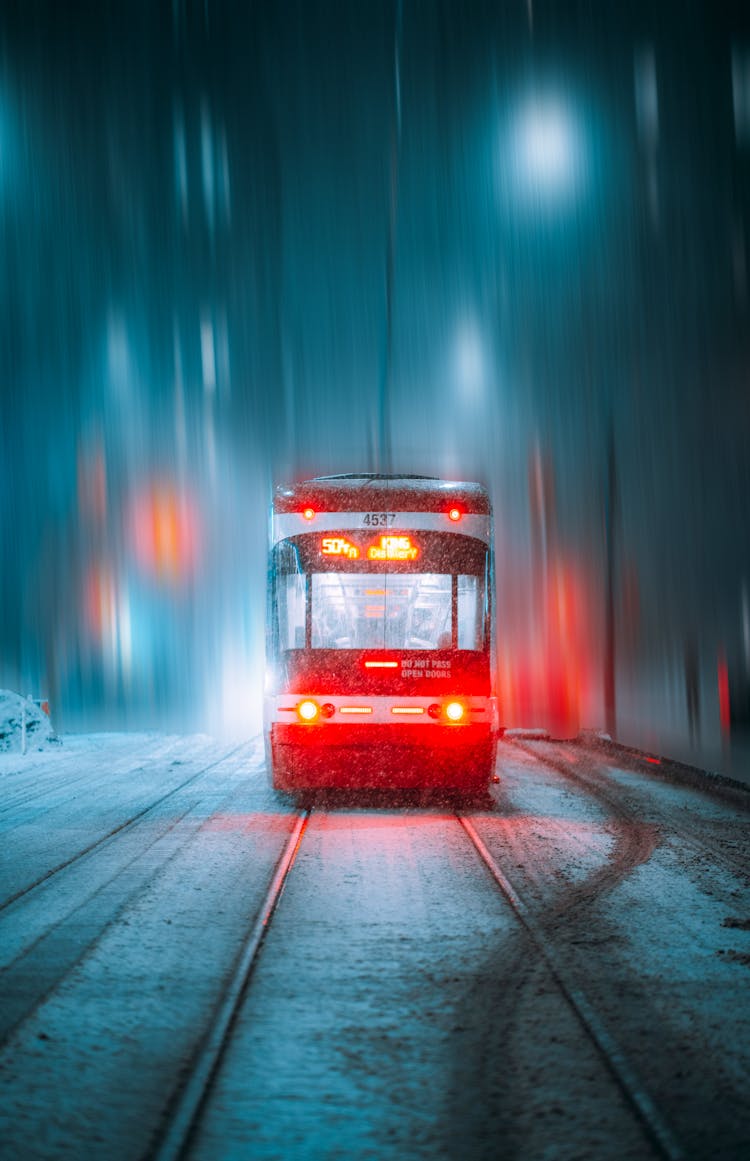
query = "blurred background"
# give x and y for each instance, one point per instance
(247, 243)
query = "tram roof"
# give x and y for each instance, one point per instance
(378, 493)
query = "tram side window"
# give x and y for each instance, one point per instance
(470, 612)
(291, 598)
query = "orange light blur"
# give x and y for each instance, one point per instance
(309, 513)
(454, 514)
(165, 532)
(101, 600)
(454, 711)
(308, 711)
(92, 483)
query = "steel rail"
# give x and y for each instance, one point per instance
(183, 1114)
(637, 1097)
(114, 832)
(602, 785)
(691, 835)
(48, 775)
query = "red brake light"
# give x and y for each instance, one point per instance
(308, 711)
(454, 711)
(308, 513)
(454, 514)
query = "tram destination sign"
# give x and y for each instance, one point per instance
(385, 548)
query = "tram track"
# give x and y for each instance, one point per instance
(183, 1114)
(553, 979)
(692, 836)
(57, 776)
(112, 833)
(600, 784)
(43, 959)
(633, 839)
(629, 1084)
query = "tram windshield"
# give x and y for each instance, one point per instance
(369, 610)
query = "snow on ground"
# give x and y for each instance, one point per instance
(398, 1009)
(19, 715)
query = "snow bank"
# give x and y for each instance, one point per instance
(39, 731)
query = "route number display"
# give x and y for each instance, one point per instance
(387, 548)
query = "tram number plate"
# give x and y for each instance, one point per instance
(379, 519)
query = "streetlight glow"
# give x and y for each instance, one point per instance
(469, 359)
(547, 151)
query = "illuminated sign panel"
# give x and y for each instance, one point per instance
(339, 546)
(387, 548)
(393, 548)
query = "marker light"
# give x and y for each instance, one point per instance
(308, 710)
(308, 513)
(454, 711)
(407, 709)
(454, 514)
(355, 709)
(381, 664)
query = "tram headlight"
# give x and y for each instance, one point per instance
(454, 711)
(308, 711)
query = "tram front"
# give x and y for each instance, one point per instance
(380, 637)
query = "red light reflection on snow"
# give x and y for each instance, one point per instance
(233, 822)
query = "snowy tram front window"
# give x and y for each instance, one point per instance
(292, 611)
(374, 611)
(350, 610)
(470, 612)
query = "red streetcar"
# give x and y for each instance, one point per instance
(380, 635)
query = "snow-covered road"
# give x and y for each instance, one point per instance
(399, 1006)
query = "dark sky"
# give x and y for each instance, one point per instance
(196, 218)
